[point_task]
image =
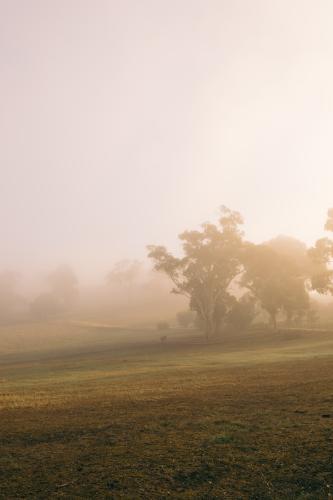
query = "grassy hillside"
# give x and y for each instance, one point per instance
(100, 412)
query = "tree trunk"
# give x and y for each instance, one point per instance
(273, 321)
(210, 322)
(209, 328)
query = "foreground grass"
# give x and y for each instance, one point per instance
(177, 421)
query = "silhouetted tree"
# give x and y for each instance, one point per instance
(242, 313)
(296, 299)
(210, 263)
(277, 281)
(321, 256)
(329, 222)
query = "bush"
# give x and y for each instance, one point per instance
(242, 313)
(45, 306)
(186, 319)
(162, 325)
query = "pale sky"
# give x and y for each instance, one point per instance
(124, 122)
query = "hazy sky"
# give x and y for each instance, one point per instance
(123, 122)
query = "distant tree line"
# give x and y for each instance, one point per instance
(130, 293)
(228, 280)
(59, 296)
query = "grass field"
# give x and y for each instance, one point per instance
(90, 411)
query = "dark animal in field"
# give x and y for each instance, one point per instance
(163, 339)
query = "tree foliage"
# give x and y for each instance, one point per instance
(124, 273)
(209, 265)
(241, 313)
(277, 280)
(321, 256)
(329, 222)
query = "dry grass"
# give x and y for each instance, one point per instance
(251, 419)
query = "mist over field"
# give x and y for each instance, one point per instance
(166, 221)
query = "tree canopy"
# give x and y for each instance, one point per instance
(210, 263)
(224, 276)
(276, 273)
(321, 256)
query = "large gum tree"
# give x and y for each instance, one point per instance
(322, 259)
(210, 263)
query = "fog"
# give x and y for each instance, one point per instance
(166, 256)
(123, 124)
